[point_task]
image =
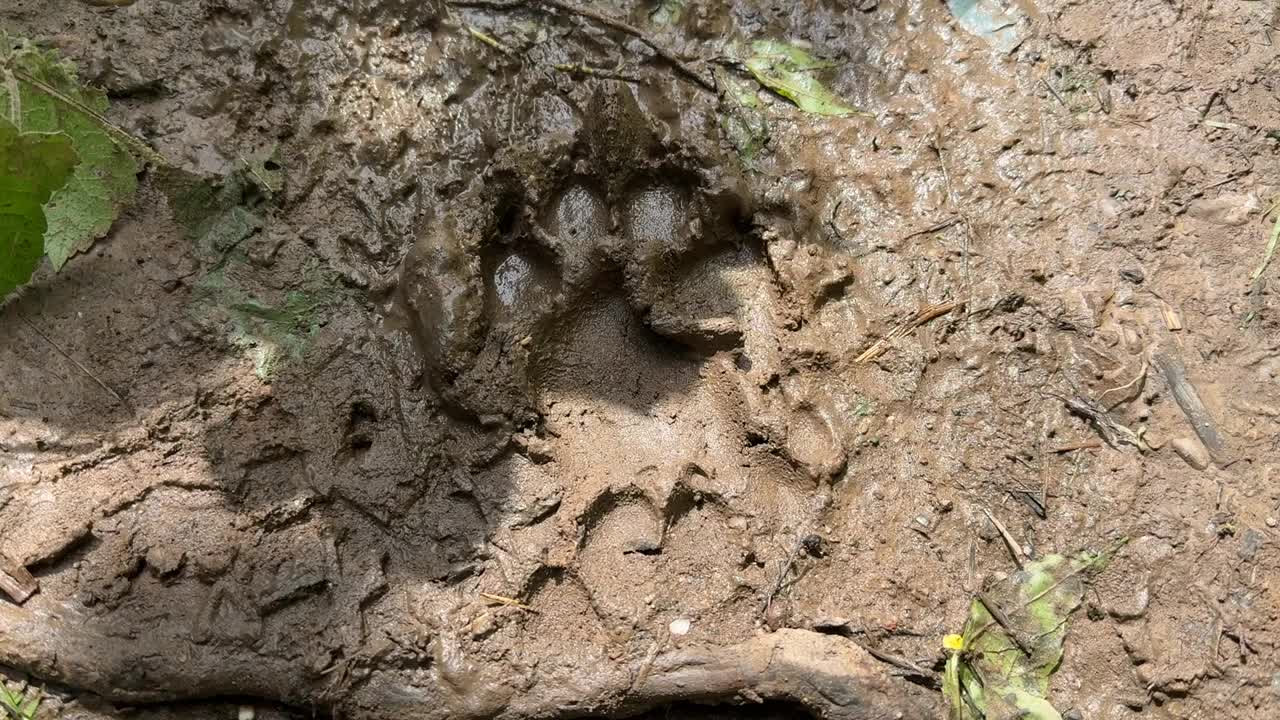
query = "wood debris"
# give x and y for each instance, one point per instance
(15, 581)
(1184, 393)
(925, 314)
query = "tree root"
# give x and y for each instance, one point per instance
(831, 677)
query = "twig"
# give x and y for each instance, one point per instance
(647, 664)
(1086, 445)
(1112, 431)
(1012, 544)
(489, 40)
(1184, 393)
(607, 21)
(15, 581)
(640, 35)
(998, 615)
(509, 602)
(1055, 92)
(923, 316)
(1142, 374)
(933, 228)
(1269, 252)
(571, 68)
(614, 74)
(930, 677)
(73, 361)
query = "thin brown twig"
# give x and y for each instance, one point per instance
(902, 663)
(1005, 535)
(933, 228)
(619, 25)
(606, 73)
(509, 602)
(73, 361)
(1086, 445)
(993, 609)
(640, 35)
(1051, 89)
(926, 314)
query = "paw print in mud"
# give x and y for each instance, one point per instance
(617, 276)
(605, 286)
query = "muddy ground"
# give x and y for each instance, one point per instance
(510, 331)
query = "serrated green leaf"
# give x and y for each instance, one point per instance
(788, 71)
(992, 677)
(106, 178)
(32, 167)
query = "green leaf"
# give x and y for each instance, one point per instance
(16, 705)
(993, 677)
(106, 178)
(32, 167)
(787, 70)
(741, 117)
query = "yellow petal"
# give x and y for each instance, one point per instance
(953, 642)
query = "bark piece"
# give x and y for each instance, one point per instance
(15, 581)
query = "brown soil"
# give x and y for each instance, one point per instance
(576, 353)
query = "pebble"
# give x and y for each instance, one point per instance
(1250, 543)
(1191, 450)
(680, 626)
(165, 560)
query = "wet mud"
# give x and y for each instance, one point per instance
(592, 419)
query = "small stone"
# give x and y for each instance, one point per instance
(813, 545)
(1250, 543)
(737, 522)
(680, 626)
(165, 560)
(1133, 275)
(1192, 451)
(1271, 522)
(214, 562)
(642, 546)
(832, 624)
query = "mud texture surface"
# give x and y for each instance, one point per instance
(563, 345)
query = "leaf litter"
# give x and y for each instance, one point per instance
(789, 71)
(1012, 642)
(219, 214)
(32, 167)
(39, 92)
